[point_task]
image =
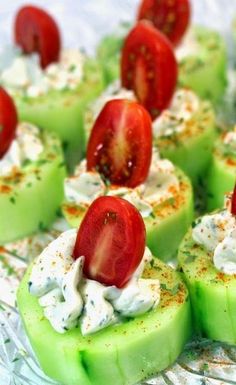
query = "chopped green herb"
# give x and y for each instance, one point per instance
(62, 164)
(12, 200)
(190, 258)
(173, 290)
(72, 68)
(42, 227)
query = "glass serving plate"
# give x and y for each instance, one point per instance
(203, 362)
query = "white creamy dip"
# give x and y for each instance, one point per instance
(217, 232)
(161, 184)
(27, 145)
(69, 299)
(22, 74)
(184, 105)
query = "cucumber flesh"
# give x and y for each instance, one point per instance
(165, 228)
(62, 112)
(212, 293)
(121, 354)
(30, 200)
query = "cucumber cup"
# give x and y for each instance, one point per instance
(212, 293)
(184, 133)
(166, 224)
(202, 61)
(190, 147)
(31, 196)
(61, 111)
(222, 173)
(203, 66)
(119, 353)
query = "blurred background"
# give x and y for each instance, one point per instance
(84, 22)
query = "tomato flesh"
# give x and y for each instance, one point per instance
(120, 145)
(233, 203)
(170, 17)
(8, 121)
(111, 237)
(37, 31)
(148, 67)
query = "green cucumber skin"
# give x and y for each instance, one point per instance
(212, 294)
(118, 354)
(168, 227)
(220, 180)
(62, 112)
(204, 73)
(192, 152)
(33, 203)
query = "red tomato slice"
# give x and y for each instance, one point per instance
(111, 237)
(170, 17)
(37, 31)
(233, 204)
(120, 145)
(148, 66)
(8, 121)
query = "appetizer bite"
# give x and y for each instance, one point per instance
(183, 125)
(32, 171)
(207, 258)
(120, 161)
(96, 305)
(50, 85)
(200, 52)
(222, 172)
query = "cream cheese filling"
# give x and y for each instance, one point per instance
(27, 145)
(161, 184)
(69, 299)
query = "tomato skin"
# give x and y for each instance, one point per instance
(37, 31)
(111, 237)
(120, 145)
(8, 121)
(170, 17)
(233, 203)
(149, 67)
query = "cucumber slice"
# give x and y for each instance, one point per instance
(62, 111)
(205, 71)
(30, 198)
(166, 226)
(212, 293)
(222, 176)
(191, 150)
(121, 354)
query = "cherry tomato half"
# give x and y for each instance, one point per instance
(8, 121)
(111, 237)
(120, 145)
(37, 31)
(148, 67)
(171, 17)
(233, 204)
